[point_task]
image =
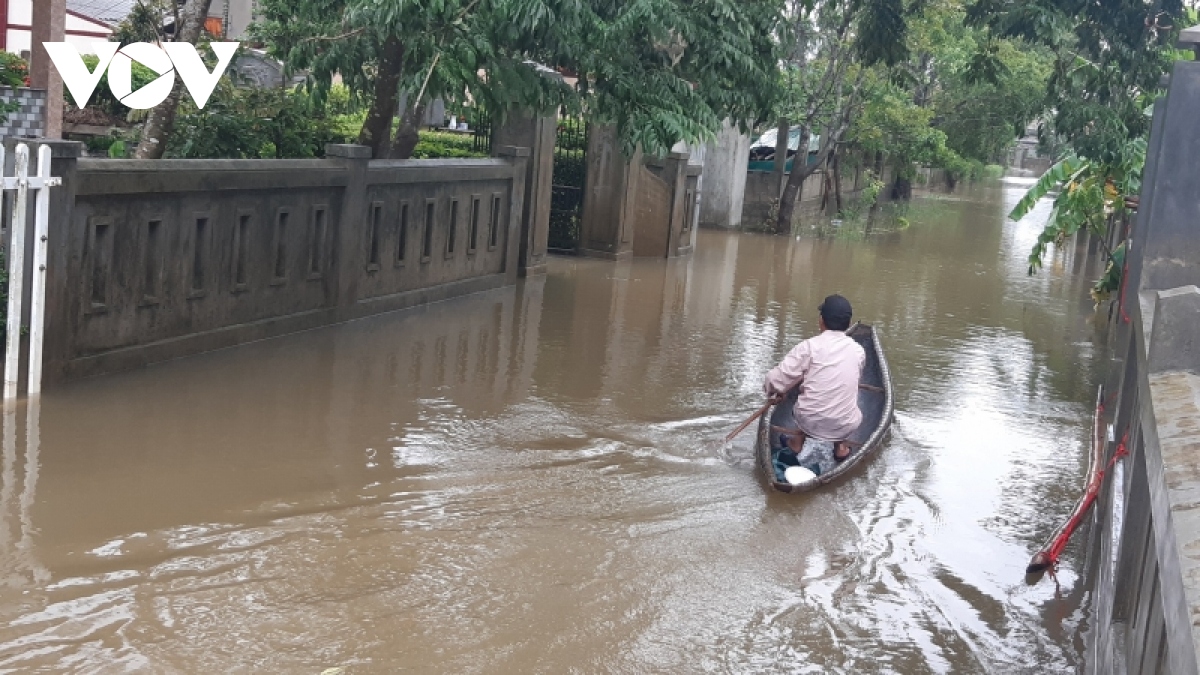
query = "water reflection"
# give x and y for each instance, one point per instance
(522, 481)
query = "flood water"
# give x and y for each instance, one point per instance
(524, 481)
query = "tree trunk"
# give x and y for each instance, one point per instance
(161, 121)
(826, 189)
(782, 132)
(377, 128)
(800, 172)
(902, 189)
(921, 93)
(409, 133)
(837, 183)
(791, 190)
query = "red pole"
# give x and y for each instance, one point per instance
(3, 24)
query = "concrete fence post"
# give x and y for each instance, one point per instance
(350, 253)
(520, 158)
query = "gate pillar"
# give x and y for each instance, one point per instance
(610, 198)
(527, 129)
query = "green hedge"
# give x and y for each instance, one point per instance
(444, 145)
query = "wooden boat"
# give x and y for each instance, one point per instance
(874, 400)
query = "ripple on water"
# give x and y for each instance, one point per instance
(534, 481)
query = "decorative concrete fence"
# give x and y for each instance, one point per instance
(153, 260)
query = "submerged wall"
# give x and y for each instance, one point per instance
(152, 260)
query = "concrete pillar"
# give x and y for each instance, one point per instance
(526, 129)
(1175, 338)
(49, 25)
(610, 197)
(676, 173)
(724, 187)
(1172, 251)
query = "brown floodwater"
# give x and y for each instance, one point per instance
(524, 481)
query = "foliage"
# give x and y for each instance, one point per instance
(1108, 61)
(6, 108)
(440, 144)
(1087, 198)
(102, 98)
(867, 197)
(14, 72)
(570, 169)
(1113, 273)
(145, 22)
(114, 146)
(1108, 58)
(253, 124)
(992, 172)
(661, 71)
(832, 51)
(339, 100)
(984, 89)
(892, 123)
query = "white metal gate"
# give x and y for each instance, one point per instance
(21, 184)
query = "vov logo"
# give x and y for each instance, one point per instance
(171, 58)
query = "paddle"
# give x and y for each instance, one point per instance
(770, 402)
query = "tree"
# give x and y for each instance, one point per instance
(147, 22)
(660, 70)
(1108, 61)
(984, 89)
(831, 47)
(161, 121)
(893, 124)
(958, 100)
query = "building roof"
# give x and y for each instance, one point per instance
(109, 11)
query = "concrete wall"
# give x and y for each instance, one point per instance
(725, 176)
(1147, 590)
(762, 197)
(153, 260)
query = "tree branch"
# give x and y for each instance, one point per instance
(328, 38)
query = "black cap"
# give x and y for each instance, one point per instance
(836, 311)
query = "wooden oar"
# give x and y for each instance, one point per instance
(770, 402)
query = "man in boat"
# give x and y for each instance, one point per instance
(827, 368)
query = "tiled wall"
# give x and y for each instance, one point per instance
(29, 121)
